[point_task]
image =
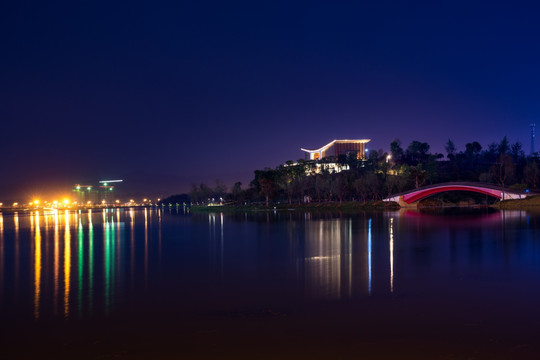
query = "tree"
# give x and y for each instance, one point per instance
(267, 188)
(531, 173)
(220, 190)
(503, 171)
(517, 151)
(321, 185)
(504, 146)
(339, 185)
(395, 183)
(194, 193)
(450, 149)
(396, 151)
(265, 183)
(374, 185)
(417, 152)
(419, 175)
(362, 187)
(472, 149)
(237, 193)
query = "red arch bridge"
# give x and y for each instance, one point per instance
(415, 195)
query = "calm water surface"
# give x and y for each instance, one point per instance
(156, 283)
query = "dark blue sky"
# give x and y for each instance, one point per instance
(167, 94)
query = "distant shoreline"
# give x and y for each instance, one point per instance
(352, 206)
(349, 206)
(12, 210)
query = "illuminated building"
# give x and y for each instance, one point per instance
(106, 191)
(339, 147)
(84, 193)
(89, 194)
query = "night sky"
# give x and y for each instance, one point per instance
(163, 95)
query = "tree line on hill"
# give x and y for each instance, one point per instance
(380, 175)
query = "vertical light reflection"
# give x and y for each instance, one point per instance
(159, 233)
(37, 268)
(80, 264)
(67, 264)
(32, 222)
(369, 256)
(90, 260)
(323, 261)
(132, 231)
(112, 267)
(391, 254)
(1, 255)
(350, 257)
(118, 240)
(56, 260)
(145, 247)
(222, 244)
(107, 262)
(16, 224)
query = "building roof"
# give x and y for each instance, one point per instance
(362, 141)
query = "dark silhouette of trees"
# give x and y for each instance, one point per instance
(503, 171)
(450, 149)
(381, 174)
(531, 174)
(396, 151)
(237, 194)
(417, 152)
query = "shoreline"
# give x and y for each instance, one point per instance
(349, 206)
(531, 202)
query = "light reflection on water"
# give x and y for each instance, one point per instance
(82, 263)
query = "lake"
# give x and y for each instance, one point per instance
(163, 283)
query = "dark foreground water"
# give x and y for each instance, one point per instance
(163, 284)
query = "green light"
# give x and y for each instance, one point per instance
(89, 188)
(90, 258)
(107, 263)
(104, 184)
(80, 249)
(78, 187)
(110, 188)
